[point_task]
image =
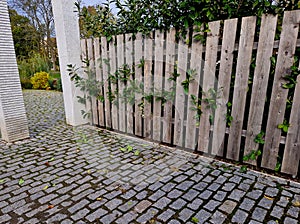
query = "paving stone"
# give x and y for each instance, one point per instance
(127, 217)
(78, 206)
(176, 193)
(112, 204)
(228, 206)
(185, 214)
(228, 186)
(158, 194)
(255, 194)
(195, 204)
(265, 203)
(259, 214)
(96, 214)
(147, 216)
(178, 204)
(166, 215)
(294, 212)
(247, 204)
(220, 195)
(142, 206)
(289, 220)
(239, 217)
(236, 195)
(203, 216)
(218, 218)
(277, 212)
(162, 203)
(206, 194)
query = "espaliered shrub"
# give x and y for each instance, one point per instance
(40, 80)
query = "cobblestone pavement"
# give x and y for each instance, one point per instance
(88, 175)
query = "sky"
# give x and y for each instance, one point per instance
(97, 2)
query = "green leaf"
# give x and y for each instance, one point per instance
(253, 156)
(2, 181)
(52, 159)
(137, 152)
(243, 169)
(258, 152)
(45, 188)
(285, 129)
(21, 181)
(277, 167)
(246, 158)
(123, 149)
(195, 220)
(129, 148)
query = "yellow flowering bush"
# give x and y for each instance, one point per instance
(40, 80)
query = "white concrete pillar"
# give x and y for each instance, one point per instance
(68, 43)
(13, 119)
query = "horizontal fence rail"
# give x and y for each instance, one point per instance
(234, 95)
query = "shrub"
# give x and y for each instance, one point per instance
(26, 83)
(40, 80)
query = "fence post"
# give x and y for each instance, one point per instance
(13, 120)
(68, 43)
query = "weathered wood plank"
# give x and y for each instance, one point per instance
(99, 78)
(129, 62)
(285, 59)
(260, 82)
(224, 79)
(138, 69)
(84, 58)
(121, 84)
(241, 86)
(208, 84)
(196, 64)
(158, 78)
(112, 62)
(148, 52)
(105, 69)
(180, 94)
(170, 62)
(291, 154)
(92, 71)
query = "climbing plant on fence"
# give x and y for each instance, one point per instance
(235, 95)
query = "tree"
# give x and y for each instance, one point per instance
(40, 14)
(26, 37)
(147, 15)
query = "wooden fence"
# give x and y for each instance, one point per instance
(225, 96)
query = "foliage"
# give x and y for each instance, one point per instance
(40, 80)
(260, 138)
(284, 126)
(147, 15)
(95, 21)
(25, 35)
(252, 155)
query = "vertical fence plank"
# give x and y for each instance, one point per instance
(138, 70)
(100, 79)
(122, 101)
(148, 85)
(92, 69)
(158, 78)
(291, 154)
(180, 94)
(196, 63)
(84, 57)
(105, 70)
(224, 79)
(113, 84)
(170, 62)
(241, 86)
(208, 84)
(260, 82)
(285, 59)
(129, 62)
